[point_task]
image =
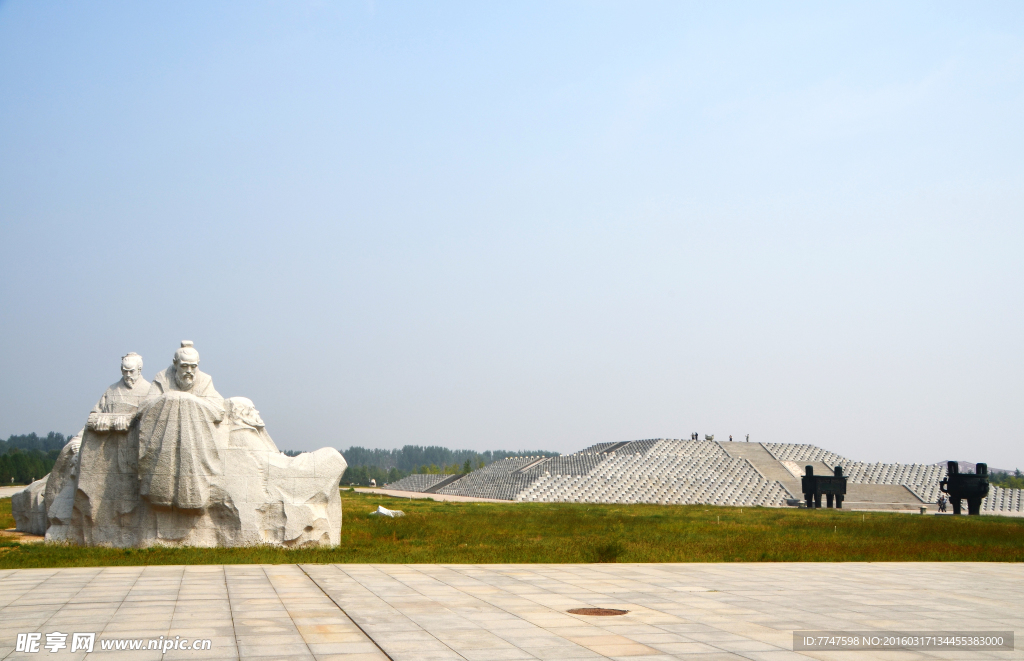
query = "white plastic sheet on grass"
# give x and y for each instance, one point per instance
(383, 511)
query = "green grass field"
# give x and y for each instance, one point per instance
(433, 532)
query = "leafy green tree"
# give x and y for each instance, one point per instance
(52, 441)
(1007, 481)
(23, 466)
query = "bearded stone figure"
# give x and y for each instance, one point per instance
(104, 503)
(119, 404)
(247, 428)
(178, 423)
(173, 463)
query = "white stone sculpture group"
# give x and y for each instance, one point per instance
(172, 463)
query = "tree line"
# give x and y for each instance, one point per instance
(52, 441)
(28, 457)
(1014, 480)
(385, 466)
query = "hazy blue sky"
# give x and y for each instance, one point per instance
(515, 225)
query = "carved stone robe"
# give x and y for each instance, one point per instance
(121, 399)
(178, 441)
(106, 499)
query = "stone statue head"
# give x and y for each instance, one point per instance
(131, 368)
(186, 363)
(241, 410)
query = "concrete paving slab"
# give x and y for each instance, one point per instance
(507, 612)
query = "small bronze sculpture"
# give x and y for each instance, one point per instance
(833, 486)
(972, 486)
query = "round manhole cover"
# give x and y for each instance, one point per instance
(596, 611)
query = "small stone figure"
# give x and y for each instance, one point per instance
(748, 438)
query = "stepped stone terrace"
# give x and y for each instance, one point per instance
(674, 471)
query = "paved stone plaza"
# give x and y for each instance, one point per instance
(507, 612)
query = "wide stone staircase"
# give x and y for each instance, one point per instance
(858, 496)
(765, 463)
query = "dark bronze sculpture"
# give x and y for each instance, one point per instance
(972, 486)
(832, 486)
